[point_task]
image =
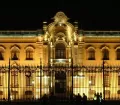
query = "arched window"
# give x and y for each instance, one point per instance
(1, 54)
(60, 51)
(15, 54)
(29, 54)
(118, 54)
(105, 54)
(91, 54)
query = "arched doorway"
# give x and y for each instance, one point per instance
(60, 74)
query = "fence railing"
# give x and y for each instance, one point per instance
(31, 82)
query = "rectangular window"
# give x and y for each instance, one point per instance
(107, 80)
(92, 80)
(91, 55)
(60, 53)
(14, 79)
(28, 81)
(29, 55)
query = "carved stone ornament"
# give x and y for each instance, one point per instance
(60, 17)
(28, 73)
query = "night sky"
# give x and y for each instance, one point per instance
(95, 15)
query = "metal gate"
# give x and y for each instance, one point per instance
(32, 82)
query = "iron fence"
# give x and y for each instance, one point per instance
(32, 82)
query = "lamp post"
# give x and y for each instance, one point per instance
(40, 79)
(72, 72)
(72, 76)
(33, 88)
(9, 81)
(103, 81)
(105, 57)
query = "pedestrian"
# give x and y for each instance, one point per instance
(84, 99)
(52, 99)
(78, 99)
(98, 98)
(101, 97)
(45, 99)
(95, 98)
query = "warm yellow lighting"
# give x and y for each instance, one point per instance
(46, 80)
(45, 38)
(69, 60)
(51, 60)
(80, 73)
(37, 90)
(80, 38)
(51, 84)
(39, 38)
(33, 81)
(75, 38)
(11, 97)
(90, 82)
(50, 44)
(37, 96)
(46, 90)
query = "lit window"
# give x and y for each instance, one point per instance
(92, 80)
(91, 54)
(29, 54)
(107, 80)
(14, 78)
(28, 78)
(28, 81)
(60, 51)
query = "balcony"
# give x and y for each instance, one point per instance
(61, 60)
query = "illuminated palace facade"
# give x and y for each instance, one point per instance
(59, 58)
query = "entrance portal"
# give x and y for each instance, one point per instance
(60, 82)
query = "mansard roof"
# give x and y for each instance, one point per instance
(99, 33)
(33, 33)
(21, 33)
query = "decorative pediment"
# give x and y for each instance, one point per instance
(60, 17)
(60, 25)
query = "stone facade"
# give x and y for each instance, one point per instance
(57, 44)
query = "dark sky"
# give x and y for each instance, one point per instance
(97, 15)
